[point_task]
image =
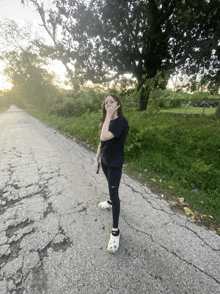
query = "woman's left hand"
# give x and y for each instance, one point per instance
(111, 109)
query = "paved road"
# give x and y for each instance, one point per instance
(53, 237)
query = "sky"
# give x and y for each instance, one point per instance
(13, 9)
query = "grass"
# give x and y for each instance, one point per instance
(190, 110)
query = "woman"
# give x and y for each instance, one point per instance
(114, 130)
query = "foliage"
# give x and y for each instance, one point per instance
(32, 84)
(137, 37)
(15, 37)
(134, 143)
(87, 127)
(190, 111)
(86, 100)
(73, 46)
(182, 149)
(200, 21)
(166, 99)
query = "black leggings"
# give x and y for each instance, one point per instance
(113, 176)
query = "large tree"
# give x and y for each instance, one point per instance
(108, 38)
(200, 20)
(66, 23)
(32, 84)
(23, 65)
(200, 23)
(147, 37)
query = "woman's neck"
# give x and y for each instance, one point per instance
(114, 116)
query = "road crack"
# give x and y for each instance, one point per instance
(172, 252)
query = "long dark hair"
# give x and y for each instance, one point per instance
(119, 110)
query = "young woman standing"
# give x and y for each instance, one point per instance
(114, 130)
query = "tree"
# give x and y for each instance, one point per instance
(203, 37)
(145, 37)
(108, 38)
(200, 21)
(16, 37)
(112, 36)
(32, 84)
(72, 46)
(24, 67)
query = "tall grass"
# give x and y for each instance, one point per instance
(184, 151)
(190, 110)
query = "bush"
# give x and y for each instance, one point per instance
(168, 99)
(184, 149)
(86, 100)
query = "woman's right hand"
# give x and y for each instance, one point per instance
(96, 164)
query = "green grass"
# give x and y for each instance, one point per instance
(182, 152)
(190, 110)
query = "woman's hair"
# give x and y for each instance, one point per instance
(119, 110)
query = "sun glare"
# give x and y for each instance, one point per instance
(4, 83)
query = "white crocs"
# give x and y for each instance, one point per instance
(105, 205)
(113, 243)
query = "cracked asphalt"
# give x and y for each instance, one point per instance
(53, 236)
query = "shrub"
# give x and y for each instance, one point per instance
(85, 100)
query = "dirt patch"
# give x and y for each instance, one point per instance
(13, 229)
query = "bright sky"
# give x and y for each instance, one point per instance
(13, 9)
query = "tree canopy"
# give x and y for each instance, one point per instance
(23, 65)
(107, 38)
(200, 22)
(32, 84)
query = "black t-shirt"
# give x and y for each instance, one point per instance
(112, 151)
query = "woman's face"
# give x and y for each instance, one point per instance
(109, 102)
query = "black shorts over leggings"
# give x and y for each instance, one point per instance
(113, 176)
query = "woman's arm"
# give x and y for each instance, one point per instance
(98, 153)
(105, 134)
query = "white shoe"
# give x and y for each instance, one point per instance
(105, 205)
(113, 243)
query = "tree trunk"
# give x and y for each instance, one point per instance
(143, 99)
(217, 112)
